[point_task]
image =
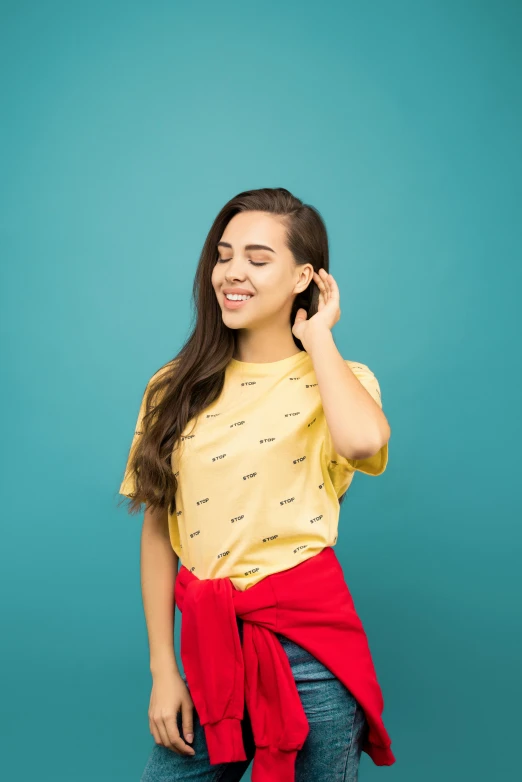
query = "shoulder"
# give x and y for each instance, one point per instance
(155, 385)
(162, 372)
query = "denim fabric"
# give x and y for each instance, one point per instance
(331, 752)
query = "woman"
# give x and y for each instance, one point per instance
(245, 445)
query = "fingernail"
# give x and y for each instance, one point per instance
(189, 736)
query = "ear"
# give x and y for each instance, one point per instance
(306, 274)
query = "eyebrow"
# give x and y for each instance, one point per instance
(249, 246)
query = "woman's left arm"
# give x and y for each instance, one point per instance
(356, 422)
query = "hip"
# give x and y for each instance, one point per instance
(305, 667)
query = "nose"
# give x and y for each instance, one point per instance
(234, 270)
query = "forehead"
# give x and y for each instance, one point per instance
(254, 228)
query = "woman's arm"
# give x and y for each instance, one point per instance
(170, 694)
(159, 567)
(357, 424)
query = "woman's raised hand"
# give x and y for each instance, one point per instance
(328, 309)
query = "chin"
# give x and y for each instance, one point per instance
(236, 321)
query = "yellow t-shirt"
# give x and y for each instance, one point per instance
(258, 476)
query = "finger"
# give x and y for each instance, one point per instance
(164, 738)
(187, 718)
(176, 743)
(328, 287)
(333, 286)
(320, 284)
(319, 279)
(154, 731)
(323, 283)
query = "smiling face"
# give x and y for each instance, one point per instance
(255, 261)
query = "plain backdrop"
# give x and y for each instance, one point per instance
(125, 127)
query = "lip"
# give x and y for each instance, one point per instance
(235, 305)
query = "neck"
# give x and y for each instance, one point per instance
(258, 348)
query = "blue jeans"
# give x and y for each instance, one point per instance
(331, 752)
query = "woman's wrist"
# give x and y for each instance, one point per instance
(163, 662)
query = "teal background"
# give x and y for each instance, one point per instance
(125, 128)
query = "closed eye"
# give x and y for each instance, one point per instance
(224, 260)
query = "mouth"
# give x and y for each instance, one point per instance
(234, 304)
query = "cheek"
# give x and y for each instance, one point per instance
(216, 276)
(270, 283)
(271, 299)
(273, 287)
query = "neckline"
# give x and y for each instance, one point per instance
(269, 367)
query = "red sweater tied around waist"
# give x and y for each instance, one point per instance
(311, 605)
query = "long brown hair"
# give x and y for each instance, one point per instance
(194, 378)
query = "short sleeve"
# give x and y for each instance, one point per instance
(376, 463)
(128, 486)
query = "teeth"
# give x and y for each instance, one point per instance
(237, 297)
